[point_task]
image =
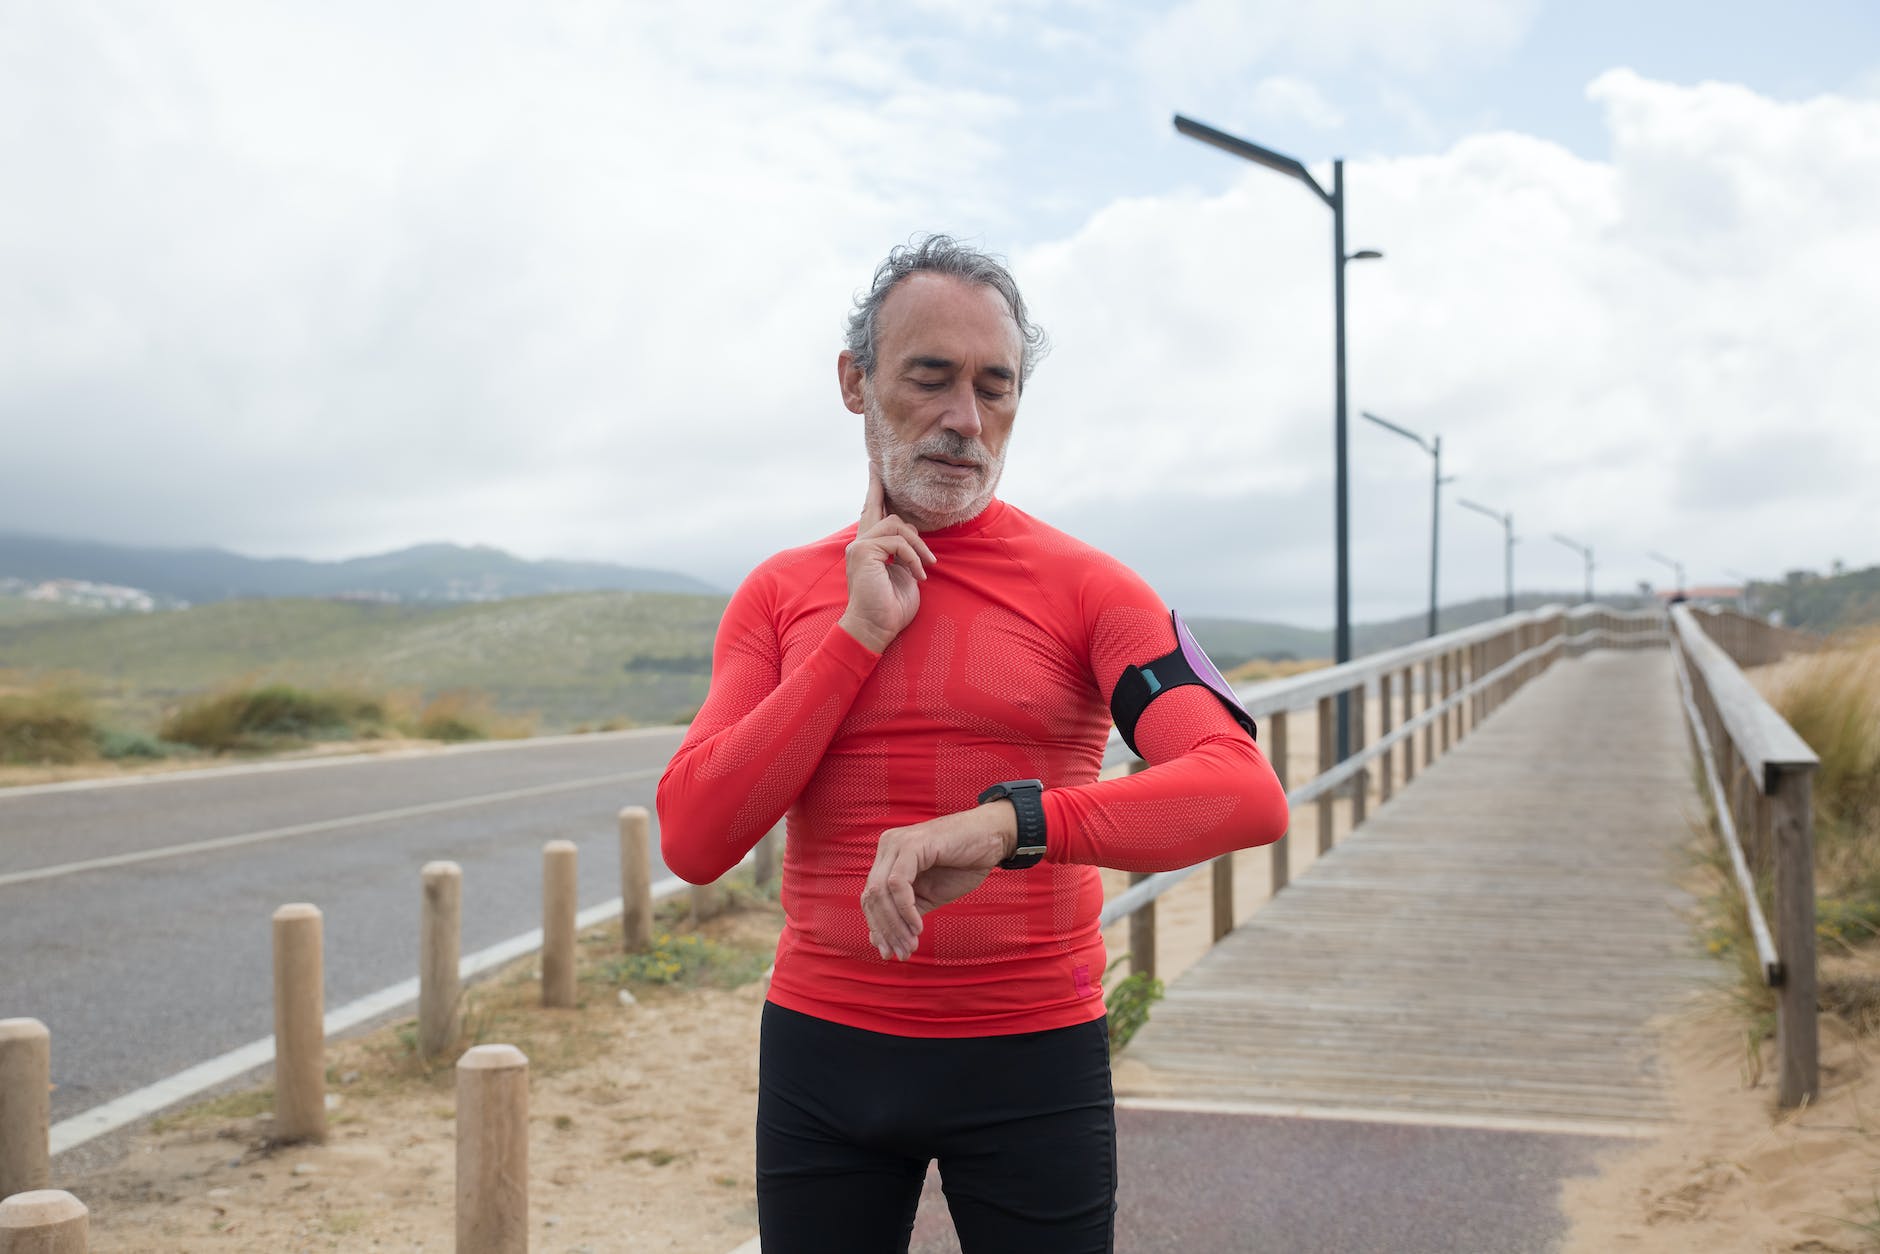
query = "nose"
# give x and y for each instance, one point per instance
(962, 412)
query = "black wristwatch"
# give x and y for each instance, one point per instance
(1027, 798)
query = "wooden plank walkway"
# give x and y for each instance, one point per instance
(1490, 949)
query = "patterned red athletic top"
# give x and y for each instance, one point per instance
(1004, 673)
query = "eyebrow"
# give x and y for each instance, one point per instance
(1004, 373)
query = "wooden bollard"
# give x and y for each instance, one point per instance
(636, 880)
(559, 888)
(44, 1221)
(493, 1151)
(708, 901)
(25, 1105)
(299, 1025)
(440, 950)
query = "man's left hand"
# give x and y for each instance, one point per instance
(923, 867)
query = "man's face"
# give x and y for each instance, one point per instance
(939, 409)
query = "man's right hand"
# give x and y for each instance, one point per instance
(887, 561)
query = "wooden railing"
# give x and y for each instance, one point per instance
(1428, 695)
(1760, 777)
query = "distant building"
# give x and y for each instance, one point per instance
(97, 596)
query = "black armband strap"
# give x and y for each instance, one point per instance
(1140, 685)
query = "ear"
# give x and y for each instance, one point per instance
(849, 378)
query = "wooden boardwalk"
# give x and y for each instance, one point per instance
(1490, 949)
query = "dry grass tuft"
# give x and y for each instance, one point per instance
(47, 720)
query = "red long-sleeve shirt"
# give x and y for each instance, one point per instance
(1004, 673)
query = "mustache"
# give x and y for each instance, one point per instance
(954, 447)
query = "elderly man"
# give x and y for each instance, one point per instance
(926, 695)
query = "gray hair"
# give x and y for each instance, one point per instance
(941, 254)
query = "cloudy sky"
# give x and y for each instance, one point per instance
(569, 279)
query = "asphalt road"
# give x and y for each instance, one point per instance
(161, 958)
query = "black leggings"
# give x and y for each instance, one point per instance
(1024, 1127)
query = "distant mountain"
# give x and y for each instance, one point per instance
(425, 573)
(1232, 641)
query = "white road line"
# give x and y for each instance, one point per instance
(1422, 1119)
(338, 759)
(115, 1114)
(323, 825)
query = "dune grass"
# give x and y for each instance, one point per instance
(1832, 700)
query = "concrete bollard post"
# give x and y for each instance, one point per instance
(708, 902)
(25, 1105)
(636, 880)
(299, 1024)
(559, 887)
(440, 952)
(44, 1221)
(493, 1151)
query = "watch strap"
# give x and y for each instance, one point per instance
(1027, 798)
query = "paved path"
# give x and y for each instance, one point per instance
(1411, 1047)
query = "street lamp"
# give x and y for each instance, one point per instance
(1584, 551)
(1435, 450)
(1674, 564)
(1335, 200)
(1507, 526)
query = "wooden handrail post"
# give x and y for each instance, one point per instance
(25, 1106)
(1385, 761)
(1279, 853)
(764, 856)
(299, 1024)
(1360, 784)
(440, 951)
(1443, 719)
(1223, 872)
(560, 886)
(1791, 815)
(1328, 753)
(1409, 712)
(493, 1151)
(1429, 703)
(636, 880)
(44, 1221)
(1142, 934)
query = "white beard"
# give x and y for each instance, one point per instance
(913, 490)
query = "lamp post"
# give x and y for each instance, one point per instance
(1676, 566)
(1507, 526)
(1334, 200)
(1435, 449)
(1586, 552)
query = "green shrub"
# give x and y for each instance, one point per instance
(687, 961)
(1128, 1004)
(274, 716)
(119, 745)
(465, 714)
(49, 722)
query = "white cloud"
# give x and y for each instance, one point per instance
(1664, 352)
(364, 276)
(1286, 97)
(1201, 43)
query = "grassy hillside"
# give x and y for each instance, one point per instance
(16, 610)
(1822, 603)
(569, 659)
(572, 659)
